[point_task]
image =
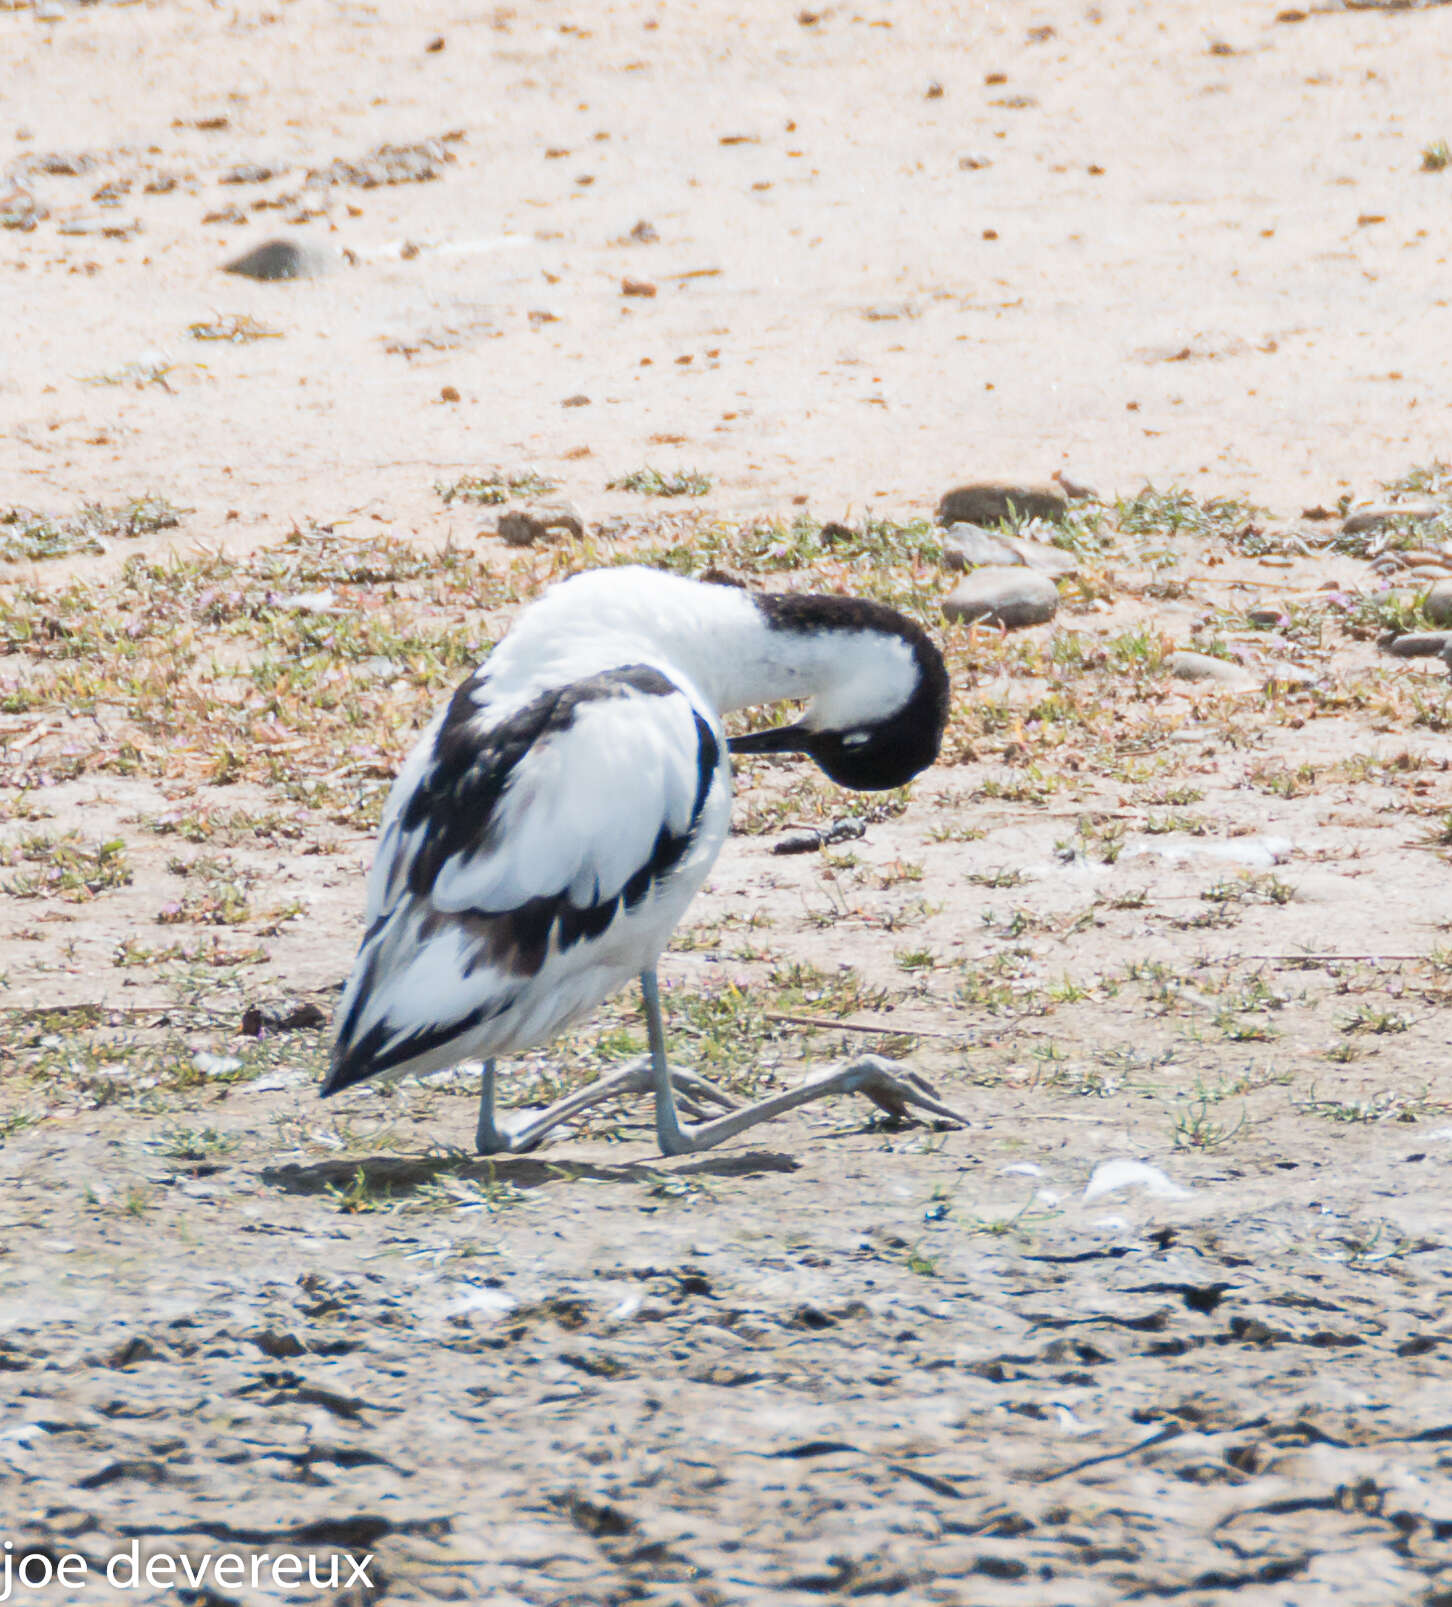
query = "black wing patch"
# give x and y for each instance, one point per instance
(458, 796)
(455, 804)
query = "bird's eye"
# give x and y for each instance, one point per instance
(855, 739)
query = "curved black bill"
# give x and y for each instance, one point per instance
(777, 739)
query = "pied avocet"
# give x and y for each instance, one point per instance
(554, 821)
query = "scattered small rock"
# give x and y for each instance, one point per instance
(810, 838)
(1378, 515)
(1417, 644)
(1437, 604)
(522, 527)
(449, 393)
(300, 1016)
(1188, 666)
(1413, 558)
(999, 595)
(277, 1343)
(988, 502)
(636, 287)
(578, 400)
(1269, 616)
(969, 546)
(1054, 562)
(1289, 676)
(280, 259)
(644, 233)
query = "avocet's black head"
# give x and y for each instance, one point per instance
(881, 719)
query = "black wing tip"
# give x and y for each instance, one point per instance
(341, 1076)
(353, 1063)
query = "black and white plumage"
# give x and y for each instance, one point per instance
(552, 824)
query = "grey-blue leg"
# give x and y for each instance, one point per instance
(639, 1077)
(488, 1140)
(891, 1087)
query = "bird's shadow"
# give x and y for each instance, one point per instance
(395, 1174)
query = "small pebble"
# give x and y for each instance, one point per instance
(998, 595)
(1055, 562)
(1187, 666)
(1289, 676)
(522, 527)
(636, 287)
(1114, 1177)
(1377, 515)
(969, 546)
(1437, 605)
(280, 259)
(1417, 644)
(987, 502)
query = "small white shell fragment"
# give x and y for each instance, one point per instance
(211, 1065)
(1109, 1177)
(489, 1302)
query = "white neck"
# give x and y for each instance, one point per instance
(713, 635)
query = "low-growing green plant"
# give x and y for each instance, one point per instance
(496, 487)
(649, 482)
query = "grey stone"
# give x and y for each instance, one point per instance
(987, 502)
(999, 595)
(1289, 676)
(1052, 561)
(280, 259)
(522, 527)
(1187, 666)
(1437, 605)
(969, 546)
(1417, 644)
(1377, 515)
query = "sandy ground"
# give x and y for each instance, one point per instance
(872, 318)
(1128, 923)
